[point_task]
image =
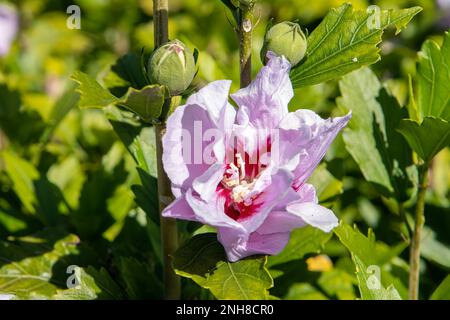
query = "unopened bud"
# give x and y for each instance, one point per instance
(287, 39)
(173, 66)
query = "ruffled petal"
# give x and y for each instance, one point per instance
(302, 141)
(182, 159)
(179, 209)
(280, 220)
(195, 135)
(267, 97)
(213, 97)
(212, 212)
(206, 184)
(241, 246)
(271, 189)
(314, 215)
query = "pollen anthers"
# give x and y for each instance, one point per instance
(236, 181)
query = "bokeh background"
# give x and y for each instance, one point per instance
(64, 174)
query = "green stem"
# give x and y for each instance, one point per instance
(245, 45)
(168, 227)
(414, 257)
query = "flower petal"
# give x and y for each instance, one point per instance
(212, 212)
(270, 188)
(241, 246)
(314, 214)
(303, 139)
(179, 209)
(213, 97)
(279, 220)
(180, 156)
(206, 184)
(192, 130)
(267, 97)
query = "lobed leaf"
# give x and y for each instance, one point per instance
(442, 292)
(203, 259)
(427, 138)
(303, 241)
(146, 102)
(346, 40)
(371, 137)
(433, 74)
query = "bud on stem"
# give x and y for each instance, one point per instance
(285, 39)
(172, 65)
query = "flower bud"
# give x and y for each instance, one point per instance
(173, 66)
(287, 39)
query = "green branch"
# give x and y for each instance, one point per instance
(169, 233)
(414, 259)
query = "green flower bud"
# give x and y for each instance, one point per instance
(173, 66)
(287, 39)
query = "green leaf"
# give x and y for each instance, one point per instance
(26, 266)
(139, 140)
(338, 283)
(20, 124)
(61, 108)
(370, 285)
(303, 241)
(443, 291)
(304, 291)
(427, 138)
(433, 74)
(140, 280)
(23, 175)
(93, 95)
(366, 248)
(371, 137)
(69, 176)
(146, 102)
(369, 257)
(126, 72)
(343, 42)
(434, 250)
(326, 185)
(92, 284)
(203, 259)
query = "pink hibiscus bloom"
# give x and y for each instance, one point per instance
(244, 172)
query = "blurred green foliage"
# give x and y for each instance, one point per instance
(69, 191)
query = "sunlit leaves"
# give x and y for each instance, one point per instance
(370, 285)
(92, 284)
(427, 138)
(429, 133)
(442, 292)
(146, 102)
(433, 74)
(346, 40)
(369, 258)
(203, 260)
(22, 174)
(303, 241)
(26, 266)
(371, 137)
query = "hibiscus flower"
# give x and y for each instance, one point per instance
(245, 171)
